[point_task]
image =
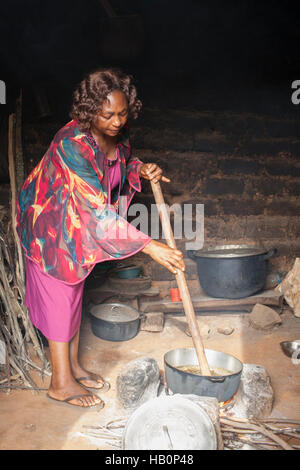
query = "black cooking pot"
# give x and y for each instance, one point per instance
(232, 271)
(222, 387)
(115, 321)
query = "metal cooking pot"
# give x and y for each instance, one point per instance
(232, 271)
(128, 272)
(221, 387)
(114, 321)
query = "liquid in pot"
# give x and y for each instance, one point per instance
(215, 371)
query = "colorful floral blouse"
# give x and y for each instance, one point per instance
(68, 219)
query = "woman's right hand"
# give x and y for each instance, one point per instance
(170, 258)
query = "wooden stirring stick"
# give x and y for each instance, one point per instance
(181, 282)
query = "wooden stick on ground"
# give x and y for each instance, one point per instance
(181, 282)
(259, 428)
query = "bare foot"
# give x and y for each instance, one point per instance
(70, 389)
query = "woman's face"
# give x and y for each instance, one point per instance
(113, 114)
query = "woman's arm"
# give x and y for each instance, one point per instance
(91, 228)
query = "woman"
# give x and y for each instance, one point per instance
(69, 219)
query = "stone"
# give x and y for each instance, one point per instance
(30, 427)
(138, 382)
(263, 317)
(152, 321)
(226, 330)
(290, 288)
(254, 397)
(204, 330)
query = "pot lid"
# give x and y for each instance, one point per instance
(230, 251)
(169, 423)
(114, 312)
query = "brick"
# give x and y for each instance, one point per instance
(244, 207)
(266, 186)
(267, 227)
(282, 169)
(241, 206)
(294, 227)
(219, 228)
(218, 187)
(214, 143)
(271, 146)
(285, 248)
(283, 128)
(283, 207)
(160, 273)
(293, 188)
(162, 138)
(211, 207)
(152, 321)
(231, 165)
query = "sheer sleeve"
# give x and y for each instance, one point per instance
(92, 228)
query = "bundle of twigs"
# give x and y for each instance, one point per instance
(267, 434)
(110, 434)
(17, 334)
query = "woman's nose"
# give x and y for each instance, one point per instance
(117, 121)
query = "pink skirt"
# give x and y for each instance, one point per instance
(54, 307)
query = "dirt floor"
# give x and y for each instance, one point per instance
(28, 420)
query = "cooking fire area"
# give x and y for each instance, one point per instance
(164, 394)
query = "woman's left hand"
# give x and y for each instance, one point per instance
(152, 172)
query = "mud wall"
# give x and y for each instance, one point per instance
(243, 167)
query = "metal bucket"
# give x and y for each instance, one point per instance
(221, 387)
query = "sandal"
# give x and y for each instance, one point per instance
(67, 401)
(103, 389)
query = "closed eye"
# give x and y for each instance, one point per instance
(110, 115)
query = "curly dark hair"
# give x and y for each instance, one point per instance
(90, 94)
